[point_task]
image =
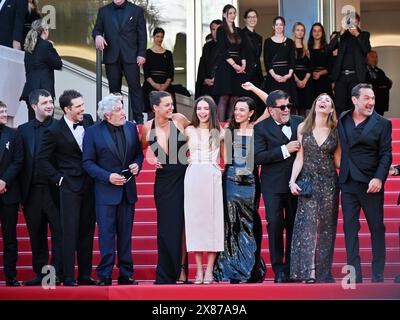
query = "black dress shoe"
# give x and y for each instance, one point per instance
(104, 282)
(123, 280)
(70, 283)
(280, 277)
(12, 282)
(377, 278)
(36, 281)
(86, 281)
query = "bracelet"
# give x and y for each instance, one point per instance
(290, 182)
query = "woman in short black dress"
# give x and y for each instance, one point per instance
(321, 61)
(279, 60)
(158, 69)
(231, 64)
(252, 43)
(302, 72)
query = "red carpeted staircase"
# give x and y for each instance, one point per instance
(145, 244)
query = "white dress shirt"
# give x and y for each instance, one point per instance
(287, 131)
(78, 132)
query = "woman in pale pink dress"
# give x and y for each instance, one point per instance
(204, 211)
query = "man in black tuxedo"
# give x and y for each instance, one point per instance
(366, 142)
(63, 141)
(275, 150)
(350, 66)
(112, 155)
(39, 195)
(120, 31)
(12, 17)
(11, 159)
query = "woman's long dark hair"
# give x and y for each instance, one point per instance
(252, 107)
(311, 39)
(213, 122)
(234, 36)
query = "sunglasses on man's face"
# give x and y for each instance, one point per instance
(284, 106)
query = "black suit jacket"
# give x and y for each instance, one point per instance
(59, 142)
(360, 53)
(11, 159)
(207, 66)
(371, 155)
(127, 41)
(252, 43)
(268, 139)
(39, 68)
(381, 85)
(27, 132)
(12, 17)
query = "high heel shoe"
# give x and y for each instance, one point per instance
(198, 279)
(208, 278)
(184, 270)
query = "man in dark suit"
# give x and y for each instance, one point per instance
(112, 156)
(120, 31)
(350, 66)
(366, 142)
(12, 17)
(275, 150)
(380, 83)
(39, 195)
(208, 63)
(11, 158)
(63, 141)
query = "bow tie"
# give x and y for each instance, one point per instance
(77, 124)
(283, 125)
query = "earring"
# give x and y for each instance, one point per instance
(248, 118)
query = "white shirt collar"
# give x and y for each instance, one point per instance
(69, 122)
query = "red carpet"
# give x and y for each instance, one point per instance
(145, 259)
(264, 291)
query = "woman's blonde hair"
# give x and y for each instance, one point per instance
(37, 28)
(305, 51)
(309, 122)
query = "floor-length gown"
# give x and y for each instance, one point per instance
(316, 218)
(204, 209)
(241, 259)
(169, 199)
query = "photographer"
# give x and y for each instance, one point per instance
(350, 65)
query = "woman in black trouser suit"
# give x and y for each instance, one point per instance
(41, 59)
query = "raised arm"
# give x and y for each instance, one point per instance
(297, 164)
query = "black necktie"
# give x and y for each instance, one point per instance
(80, 123)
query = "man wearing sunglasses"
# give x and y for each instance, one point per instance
(275, 150)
